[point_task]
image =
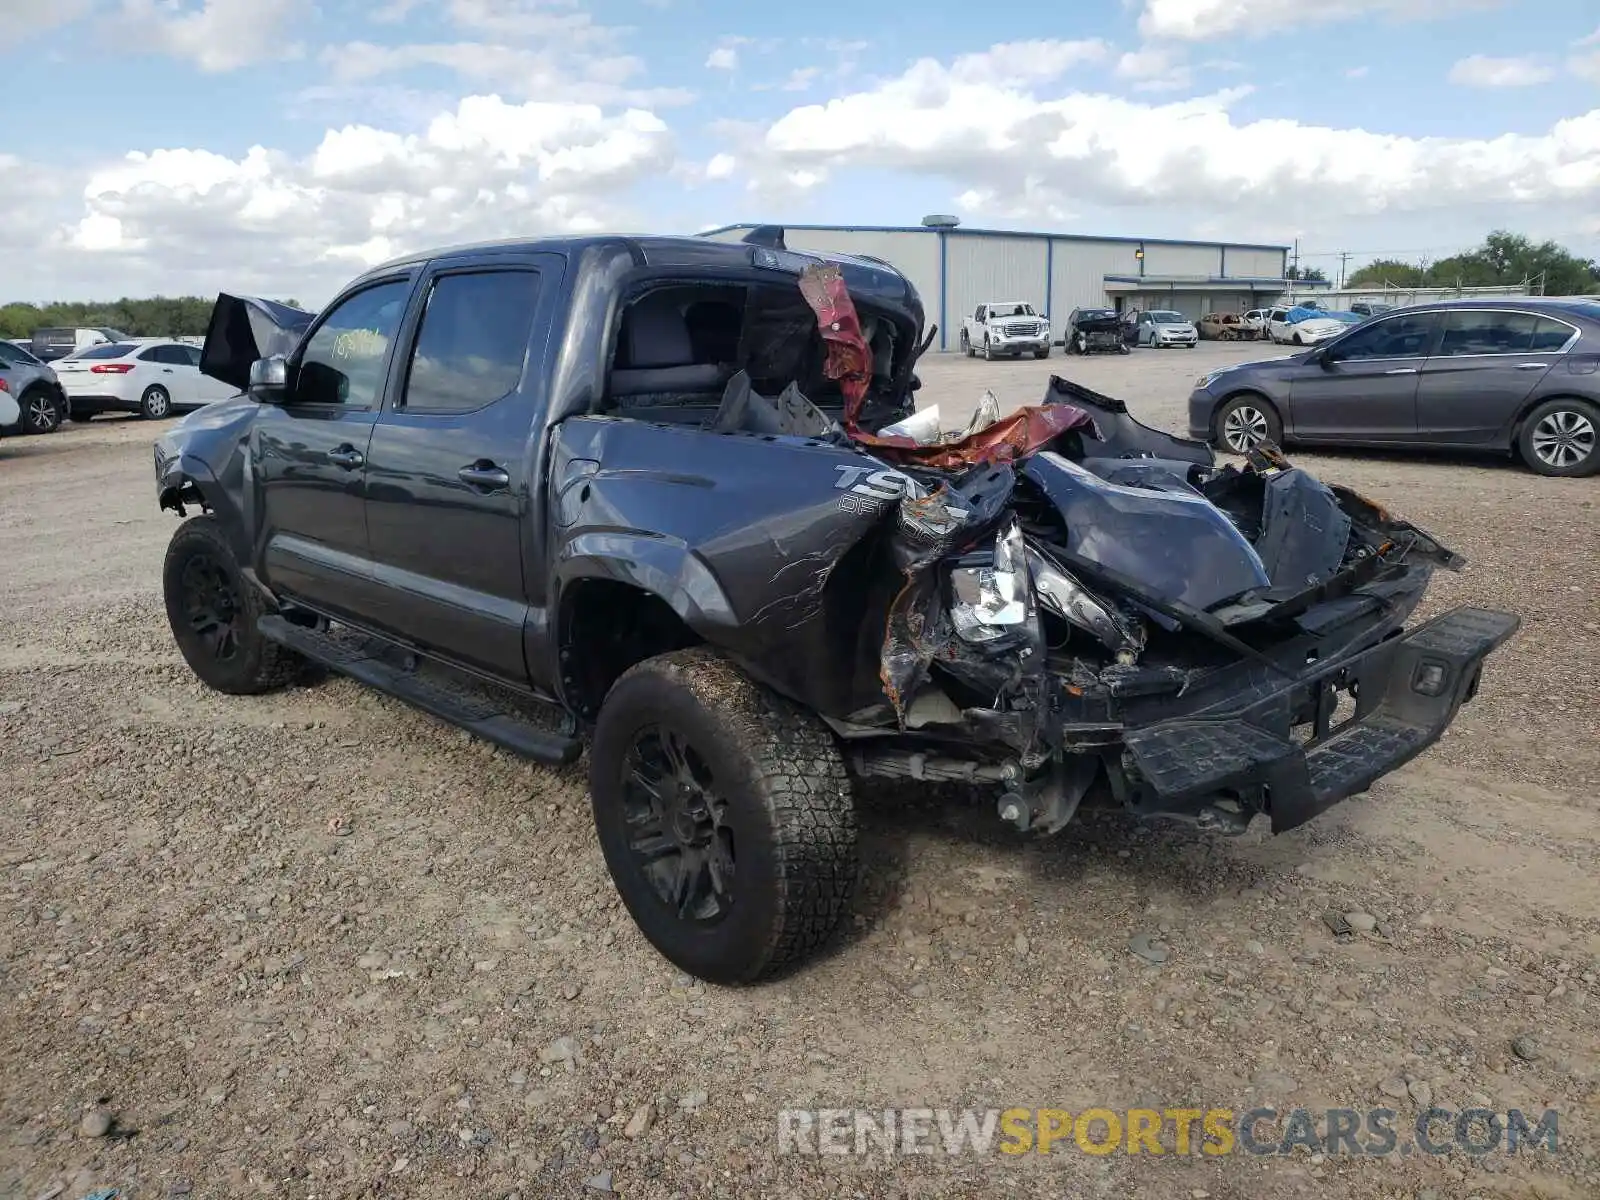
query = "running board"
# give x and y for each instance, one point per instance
(464, 706)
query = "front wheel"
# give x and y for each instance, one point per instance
(1045, 353)
(155, 404)
(724, 814)
(40, 412)
(966, 344)
(1560, 438)
(988, 349)
(1244, 422)
(213, 614)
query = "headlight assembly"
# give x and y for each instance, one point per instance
(990, 601)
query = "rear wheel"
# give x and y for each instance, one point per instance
(40, 412)
(156, 403)
(1560, 438)
(988, 349)
(213, 615)
(724, 814)
(966, 344)
(1045, 353)
(1246, 421)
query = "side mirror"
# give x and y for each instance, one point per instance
(269, 379)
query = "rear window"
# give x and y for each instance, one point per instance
(109, 350)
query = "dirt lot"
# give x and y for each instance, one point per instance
(449, 1001)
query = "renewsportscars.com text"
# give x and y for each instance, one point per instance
(1174, 1131)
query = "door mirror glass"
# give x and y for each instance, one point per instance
(269, 379)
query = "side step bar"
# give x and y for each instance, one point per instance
(465, 707)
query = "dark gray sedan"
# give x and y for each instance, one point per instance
(1517, 376)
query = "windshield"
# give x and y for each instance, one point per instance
(1011, 310)
(1168, 318)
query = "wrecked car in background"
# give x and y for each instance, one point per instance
(675, 497)
(1092, 329)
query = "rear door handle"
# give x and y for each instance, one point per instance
(1532, 366)
(346, 456)
(484, 474)
(1402, 371)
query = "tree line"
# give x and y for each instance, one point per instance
(1504, 259)
(157, 316)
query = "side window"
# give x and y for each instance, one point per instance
(151, 354)
(1475, 331)
(1398, 337)
(343, 361)
(472, 341)
(977, 313)
(1549, 336)
(191, 355)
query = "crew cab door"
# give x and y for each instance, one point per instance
(308, 454)
(452, 483)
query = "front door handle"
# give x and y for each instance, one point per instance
(1402, 371)
(1532, 366)
(346, 456)
(484, 474)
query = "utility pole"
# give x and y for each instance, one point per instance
(1344, 257)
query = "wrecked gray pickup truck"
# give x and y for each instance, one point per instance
(675, 497)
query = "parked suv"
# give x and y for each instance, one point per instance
(1514, 376)
(663, 493)
(41, 404)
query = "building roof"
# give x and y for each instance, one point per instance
(1208, 283)
(962, 230)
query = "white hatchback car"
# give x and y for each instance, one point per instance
(153, 377)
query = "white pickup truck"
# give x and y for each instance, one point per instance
(1005, 329)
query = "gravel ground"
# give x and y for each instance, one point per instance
(317, 944)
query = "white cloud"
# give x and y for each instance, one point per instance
(1046, 148)
(723, 58)
(721, 166)
(1210, 20)
(1357, 72)
(519, 71)
(216, 35)
(1481, 70)
(1155, 69)
(193, 220)
(25, 17)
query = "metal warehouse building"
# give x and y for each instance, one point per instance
(956, 269)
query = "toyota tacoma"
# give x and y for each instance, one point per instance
(661, 496)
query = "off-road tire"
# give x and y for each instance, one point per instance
(1576, 412)
(259, 665)
(787, 797)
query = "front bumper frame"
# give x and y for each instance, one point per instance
(1406, 690)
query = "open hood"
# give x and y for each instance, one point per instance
(1098, 322)
(245, 328)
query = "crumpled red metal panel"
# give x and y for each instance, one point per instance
(850, 363)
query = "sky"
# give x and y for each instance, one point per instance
(282, 146)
